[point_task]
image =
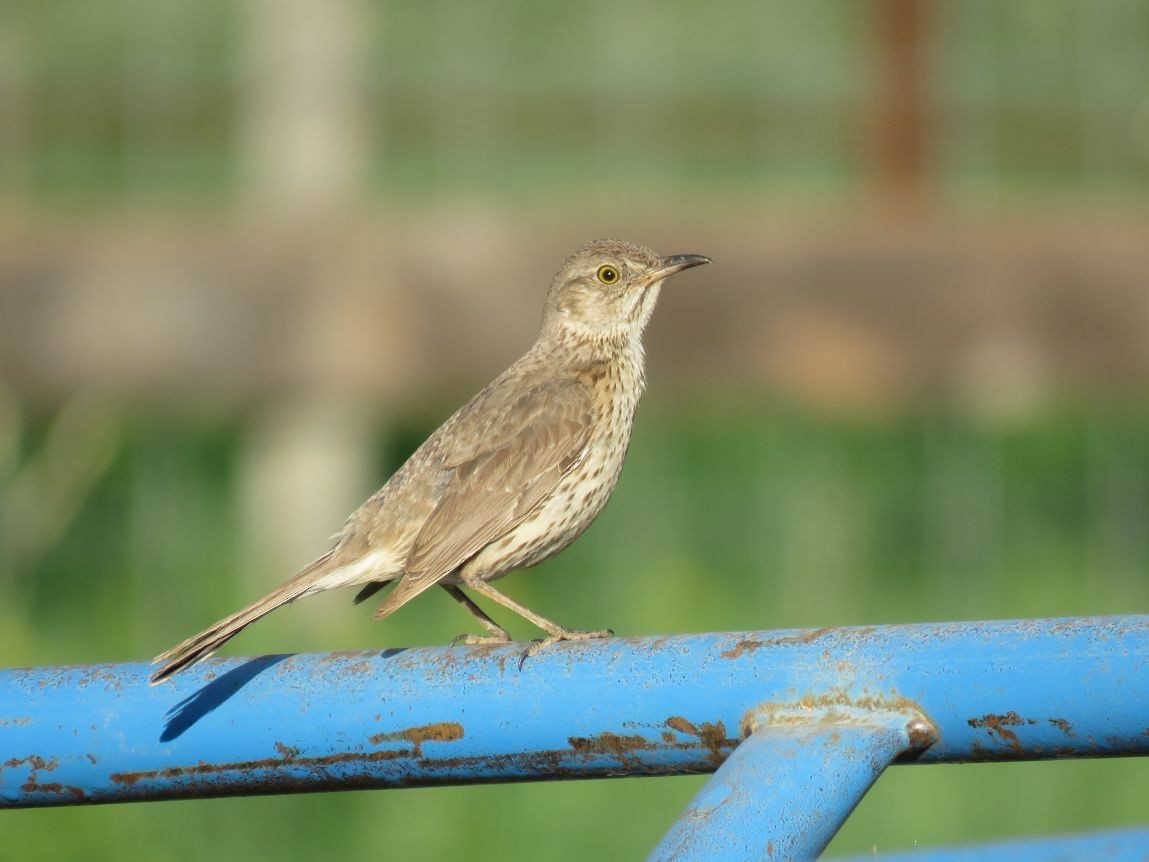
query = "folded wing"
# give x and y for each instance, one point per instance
(510, 453)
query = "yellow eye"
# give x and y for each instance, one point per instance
(607, 274)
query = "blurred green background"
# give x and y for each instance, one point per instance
(253, 251)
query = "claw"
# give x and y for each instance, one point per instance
(538, 646)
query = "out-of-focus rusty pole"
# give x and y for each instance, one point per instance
(901, 115)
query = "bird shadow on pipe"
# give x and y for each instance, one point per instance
(191, 709)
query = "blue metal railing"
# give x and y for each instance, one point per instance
(800, 722)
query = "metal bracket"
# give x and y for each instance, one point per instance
(787, 789)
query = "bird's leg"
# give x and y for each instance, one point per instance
(498, 634)
(555, 632)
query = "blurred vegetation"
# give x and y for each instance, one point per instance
(129, 100)
(729, 516)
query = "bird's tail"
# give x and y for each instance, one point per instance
(198, 647)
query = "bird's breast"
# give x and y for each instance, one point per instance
(580, 495)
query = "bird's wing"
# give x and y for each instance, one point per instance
(507, 454)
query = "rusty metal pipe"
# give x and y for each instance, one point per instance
(627, 706)
(784, 792)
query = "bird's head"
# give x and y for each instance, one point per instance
(608, 288)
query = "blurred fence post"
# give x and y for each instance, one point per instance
(308, 460)
(900, 124)
(302, 113)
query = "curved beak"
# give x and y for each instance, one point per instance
(671, 264)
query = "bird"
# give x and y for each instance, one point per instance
(511, 478)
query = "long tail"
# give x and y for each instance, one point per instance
(198, 647)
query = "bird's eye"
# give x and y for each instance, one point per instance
(607, 274)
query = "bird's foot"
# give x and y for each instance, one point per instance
(562, 635)
(480, 640)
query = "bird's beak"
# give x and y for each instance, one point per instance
(671, 264)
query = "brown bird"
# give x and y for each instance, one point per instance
(510, 479)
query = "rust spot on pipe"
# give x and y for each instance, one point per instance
(621, 748)
(1063, 725)
(290, 773)
(796, 712)
(218, 770)
(442, 731)
(1001, 726)
(320, 773)
(78, 793)
(837, 708)
(713, 736)
(751, 645)
(34, 785)
(677, 722)
(35, 761)
(742, 648)
(806, 638)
